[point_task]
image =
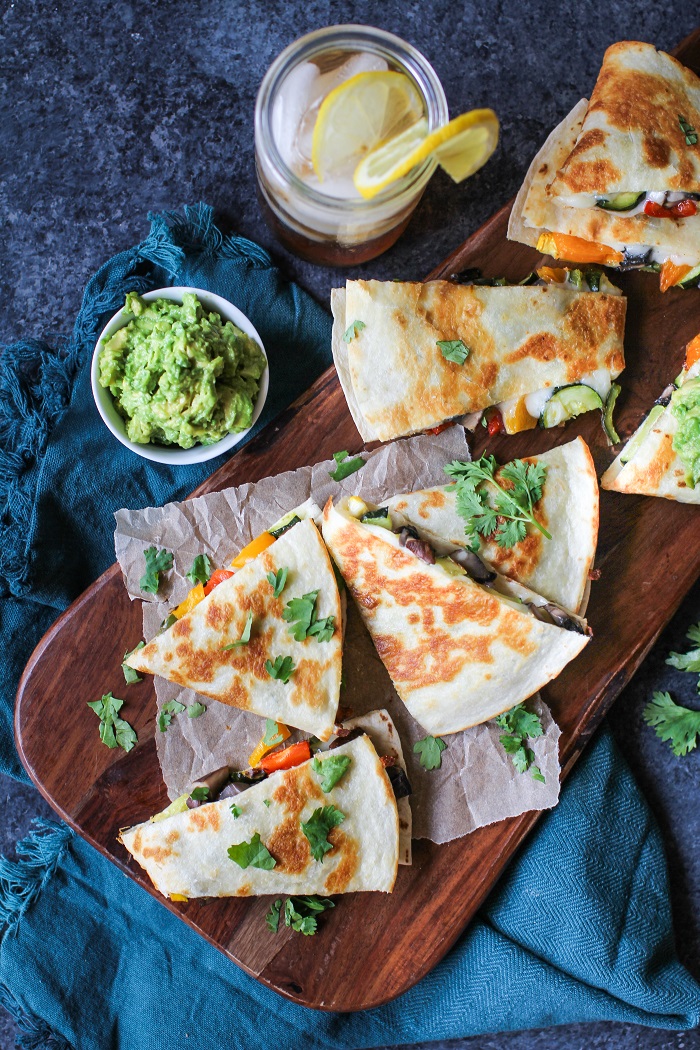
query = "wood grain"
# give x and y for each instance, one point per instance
(373, 947)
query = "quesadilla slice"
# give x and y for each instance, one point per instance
(662, 458)
(412, 355)
(458, 652)
(557, 568)
(286, 835)
(618, 181)
(274, 648)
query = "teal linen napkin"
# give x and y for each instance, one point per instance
(580, 929)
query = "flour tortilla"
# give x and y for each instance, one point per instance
(191, 654)
(521, 340)
(655, 469)
(187, 854)
(457, 653)
(559, 568)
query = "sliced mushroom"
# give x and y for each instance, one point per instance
(214, 782)
(474, 566)
(421, 549)
(399, 782)
(345, 737)
(406, 532)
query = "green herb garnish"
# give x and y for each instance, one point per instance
(167, 622)
(252, 854)
(344, 467)
(454, 350)
(272, 736)
(691, 138)
(505, 520)
(169, 708)
(130, 675)
(679, 725)
(114, 731)
(201, 570)
(277, 581)
(236, 810)
(330, 770)
(430, 749)
(520, 725)
(299, 913)
(200, 794)
(273, 916)
(689, 661)
(352, 330)
(317, 827)
(156, 562)
(266, 803)
(282, 668)
(301, 614)
(195, 710)
(245, 637)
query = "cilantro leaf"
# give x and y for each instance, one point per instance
(252, 854)
(454, 350)
(114, 731)
(125, 734)
(195, 710)
(282, 668)
(236, 810)
(344, 467)
(273, 916)
(520, 725)
(322, 630)
(301, 613)
(317, 827)
(169, 708)
(272, 736)
(680, 726)
(305, 924)
(691, 138)
(130, 675)
(330, 770)
(430, 749)
(277, 581)
(201, 569)
(156, 562)
(200, 794)
(489, 508)
(352, 330)
(245, 637)
(685, 661)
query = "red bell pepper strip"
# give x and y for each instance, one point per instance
(217, 577)
(291, 756)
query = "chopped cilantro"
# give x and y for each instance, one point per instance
(252, 854)
(679, 725)
(200, 794)
(195, 710)
(156, 562)
(273, 916)
(454, 350)
(272, 736)
(301, 613)
(430, 749)
(300, 913)
(520, 725)
(169, 708)
(691, 138)
(282, 668)
(277, 581)
(344, 467)
(507, 517)
(245, 637)
(330, 770)
(689, 661)
(266, 803)
(352, 330)
(130, 675)
(236, 810)
(114, 731)
(317, 827)
(201, 569)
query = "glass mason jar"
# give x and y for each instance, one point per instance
(337, 230)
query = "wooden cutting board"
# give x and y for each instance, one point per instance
(372, 947)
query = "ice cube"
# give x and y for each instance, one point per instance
(290, 105)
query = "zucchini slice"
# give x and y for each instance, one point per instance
(380, 517)
(637, 440)
(620, 201)
(607, 417)
(284, 524)
(568, 402)
(691, 279)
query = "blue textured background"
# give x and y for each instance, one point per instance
(111, 110)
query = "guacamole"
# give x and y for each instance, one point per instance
(180, 375)
(685, 406)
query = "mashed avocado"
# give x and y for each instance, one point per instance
(180, 375)
(685, 406)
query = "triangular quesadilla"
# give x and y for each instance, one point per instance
(557, 568)
(457, 652)
(256, 843)
(289, 668)
(662, 458)
(618, 181)
(412, 355)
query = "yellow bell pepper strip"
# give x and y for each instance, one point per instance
(282, 733)
(178, 897)
(255, 547)
(293, 755)
(672, 274)
(193, 598)
(551, 274)
(577, 249)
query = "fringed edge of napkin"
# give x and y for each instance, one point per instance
(37, 380)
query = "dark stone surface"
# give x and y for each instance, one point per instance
(111, 110)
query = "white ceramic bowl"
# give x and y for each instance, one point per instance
(173, 453)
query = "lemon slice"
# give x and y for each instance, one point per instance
(359, 115)
(460, 148)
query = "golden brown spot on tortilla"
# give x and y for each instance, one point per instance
(544, 168)
(167, 657)
(219, 614)
(137, 842)
(437, 658)
(297, 788)
(648, 478)
(403, 824)
(246, 890)
(588, 322)
(182, 628)
(400, 318)
(205, 817)
(236, 696)
(158, 853)
(196, 665)
(433, 500)
(401, 505)
(306, 683)
(341, 876)
(542, 347)
(289, 846)
(414, 617)
(172, 837)
(517, 631)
